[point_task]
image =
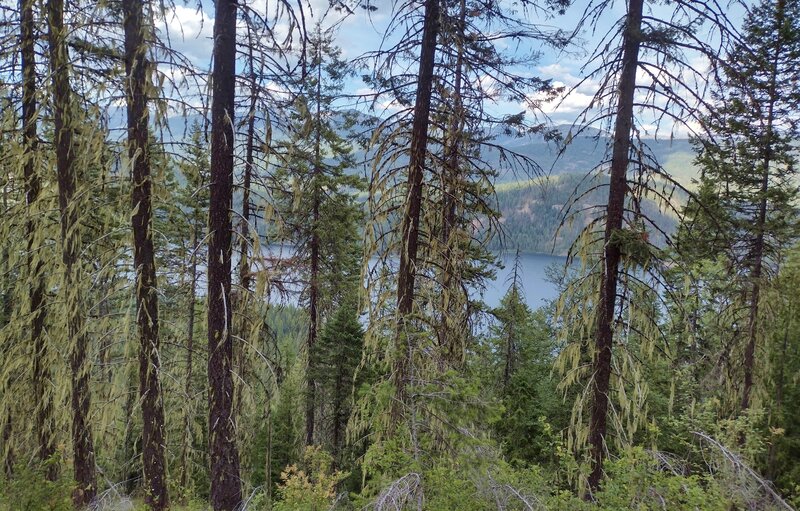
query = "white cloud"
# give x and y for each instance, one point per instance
(189, 32)
(572, 101)
(558, 72)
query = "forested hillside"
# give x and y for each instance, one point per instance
(245, 246)
(547, 215)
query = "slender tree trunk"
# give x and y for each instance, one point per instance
(137, 88)
(41, 371)
(453, 319)
(245, 277)
(409, 242)
(7, 447)
(455, 135)
(313, 291)
(604, 335)
(129, 451)
(187, 419)
(226, 492)
(761, 219)
(9, 458)
(64, 135)
(755, 296)
(105, 346)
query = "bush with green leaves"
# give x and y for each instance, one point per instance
(309, 485)
(30, 490)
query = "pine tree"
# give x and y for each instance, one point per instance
(65, 120)
(42, 373)
(617, 245)
(433, 209)
(137, 69)
(751, 166)
(336, 359)
(522, 346)
(226, 493)
(192, 199)
(612, 252)
(320, 210)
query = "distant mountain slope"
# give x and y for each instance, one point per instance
(583, 152)
(532, 213)
(586, 151)
(531, 207)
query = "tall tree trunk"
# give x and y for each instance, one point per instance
(245, 277)
(226, 492)
(41, 371)
(268, 453)
(620, 158)
(137, 88)
(9, 458)
(761, 219)
(313, 291)
(7, 447)
(187, 419)
(409, 242)
(453, 316)
(64, 138)
(755, 296)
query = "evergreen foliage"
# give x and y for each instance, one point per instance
(281, 308)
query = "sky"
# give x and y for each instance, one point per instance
(190, 30)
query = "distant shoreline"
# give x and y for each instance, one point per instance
(528, 252)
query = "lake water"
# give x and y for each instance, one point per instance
(533, 277)
(532, 268)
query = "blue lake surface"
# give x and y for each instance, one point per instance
(532, 275)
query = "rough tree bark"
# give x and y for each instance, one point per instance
(41, 371)
(64, 138)
(620, 159)
(137, 88)
(409, 243)
(226, 492)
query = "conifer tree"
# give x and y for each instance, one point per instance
(320, 211)
(137, 70)
(337, 357)
(41, 371)
(432, 208)
(226, 493)
(65, 119)
(645, 78)
(751, 165)
(645, 53)
(193, 203)
(612, 252)
(522, 348)
(412, 209)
